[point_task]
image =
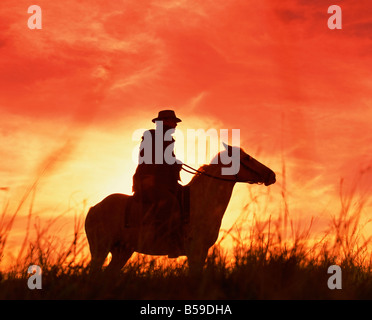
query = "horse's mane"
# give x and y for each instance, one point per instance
(203, 168)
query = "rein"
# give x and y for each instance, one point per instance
(195, 171)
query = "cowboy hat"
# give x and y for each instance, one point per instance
(166, 114)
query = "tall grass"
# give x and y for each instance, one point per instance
(271, 258)
(41, 244)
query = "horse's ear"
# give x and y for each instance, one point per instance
(226, 146)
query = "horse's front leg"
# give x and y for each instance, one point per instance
(196, 259)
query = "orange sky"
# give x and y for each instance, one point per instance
(73, 93)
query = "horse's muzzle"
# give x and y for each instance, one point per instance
(271, 179)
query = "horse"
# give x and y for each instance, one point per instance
(210, 193)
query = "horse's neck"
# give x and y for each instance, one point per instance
(211, 196)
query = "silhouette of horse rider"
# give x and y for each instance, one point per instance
(156, 178)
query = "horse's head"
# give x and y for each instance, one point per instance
(249, 169)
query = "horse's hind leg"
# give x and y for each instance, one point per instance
(120, 256)
(98, 258)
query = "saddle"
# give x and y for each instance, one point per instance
(140, 213)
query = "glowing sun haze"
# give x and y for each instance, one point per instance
(73, 93)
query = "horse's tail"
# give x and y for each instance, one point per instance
(91, 226)
(105, 220)
(92, 216)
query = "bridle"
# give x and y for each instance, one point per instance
(195, 171)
